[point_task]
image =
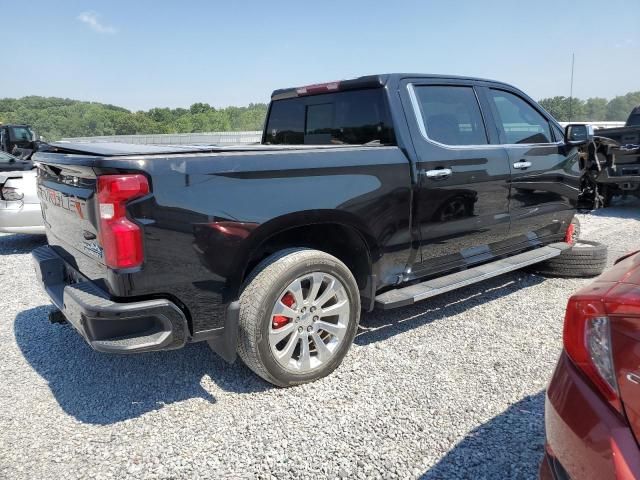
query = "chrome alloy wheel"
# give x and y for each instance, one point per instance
(308, 322)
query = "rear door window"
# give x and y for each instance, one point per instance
(451, 114)
(344, 118)
(517, 121)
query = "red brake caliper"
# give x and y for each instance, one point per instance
(280, 321)
(568, 237)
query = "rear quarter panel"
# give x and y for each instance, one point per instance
(209, 212)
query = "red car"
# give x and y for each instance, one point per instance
(592, 411)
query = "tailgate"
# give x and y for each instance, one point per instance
(69, 209)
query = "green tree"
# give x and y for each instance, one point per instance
(564, 109)
(556, 106)
(199, 108)
(595, 109)
(619, 108)
(55, 118)
(161, 115)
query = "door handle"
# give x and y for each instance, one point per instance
(438, 173)
(521, 165)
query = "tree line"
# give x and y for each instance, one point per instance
(55, 118)
(566, 109)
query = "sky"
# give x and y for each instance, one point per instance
(141, 54)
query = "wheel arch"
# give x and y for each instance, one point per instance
(335, 233)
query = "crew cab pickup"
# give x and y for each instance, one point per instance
(378, 191)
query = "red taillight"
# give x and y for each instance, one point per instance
(587, 341)
(121, 239)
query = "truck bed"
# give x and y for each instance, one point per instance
(209, 205)
(108, 149)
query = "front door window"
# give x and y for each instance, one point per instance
(517, 121)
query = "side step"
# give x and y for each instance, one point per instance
(414, 293)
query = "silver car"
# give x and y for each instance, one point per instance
(19, 204)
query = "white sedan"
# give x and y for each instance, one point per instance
(19, 204)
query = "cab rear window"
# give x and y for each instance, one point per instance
(354, 117)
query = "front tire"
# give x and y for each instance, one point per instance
(299, 313)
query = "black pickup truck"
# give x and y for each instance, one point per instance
(378, 191)
(611, 164)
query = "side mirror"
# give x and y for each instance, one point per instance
(577, 134)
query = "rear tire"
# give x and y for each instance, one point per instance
(299, 313)
(585, 259)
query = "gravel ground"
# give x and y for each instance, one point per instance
(450, 388)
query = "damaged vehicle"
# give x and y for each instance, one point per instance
(19, 204)
(611, 164)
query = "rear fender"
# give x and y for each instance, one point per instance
(262, 234)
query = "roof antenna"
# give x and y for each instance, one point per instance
(573, 59)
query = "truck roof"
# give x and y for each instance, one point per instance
(368, 81)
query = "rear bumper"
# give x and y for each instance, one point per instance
(109, 326)
(19, 217)
(586, 438)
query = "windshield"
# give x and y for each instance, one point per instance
(634, 120)
(21, 134)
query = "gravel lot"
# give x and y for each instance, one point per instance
(450, 388)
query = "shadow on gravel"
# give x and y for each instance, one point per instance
(20, 243)
(104, 389)
(510, 445)
(380, 325)
(621, 207)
